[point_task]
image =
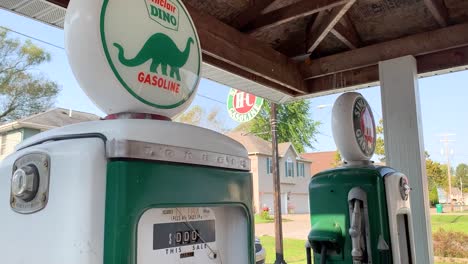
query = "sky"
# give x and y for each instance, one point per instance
(442, 98)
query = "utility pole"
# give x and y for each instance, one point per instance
(445, 140)
(277, 189)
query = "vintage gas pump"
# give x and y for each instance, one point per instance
(360, 213)
(135, 188)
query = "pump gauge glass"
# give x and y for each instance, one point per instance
(178, 235)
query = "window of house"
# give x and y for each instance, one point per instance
(269, 165)
(300, 169)
(289, 165)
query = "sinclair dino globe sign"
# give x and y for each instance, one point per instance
(153, 50)
(134, 56)
(243, 107)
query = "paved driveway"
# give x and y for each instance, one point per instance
(298, 228)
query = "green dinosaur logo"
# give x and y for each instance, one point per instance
(159, 63)
(162, 51)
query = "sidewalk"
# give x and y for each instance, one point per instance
(298, 227)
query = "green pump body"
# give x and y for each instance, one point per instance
(331, 208)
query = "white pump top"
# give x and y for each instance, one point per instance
(353, 128)
(134, 56)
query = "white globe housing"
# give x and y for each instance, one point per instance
(353, 127)
(126, 59)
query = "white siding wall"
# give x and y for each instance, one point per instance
(296, 186)
(9, 143)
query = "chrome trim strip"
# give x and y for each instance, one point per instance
(153, 151)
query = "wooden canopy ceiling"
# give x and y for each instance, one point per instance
(307, 47)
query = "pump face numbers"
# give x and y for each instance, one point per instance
(177, 235)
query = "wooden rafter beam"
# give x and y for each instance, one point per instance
(291, 12)
(62, 3)
(226, 48)
(419, 44)
(258, 61)
(428, 63)
(319, 32)
(252, 12)
(439, 11)
(347, 34)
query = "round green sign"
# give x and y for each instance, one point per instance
(243, 107)
(153, 50)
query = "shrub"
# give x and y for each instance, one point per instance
(433, 196)
(450, 244)
(265, 214)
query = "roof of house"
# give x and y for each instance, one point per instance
(252, 143)
(56, 117)
(258, 146)
(320, 160)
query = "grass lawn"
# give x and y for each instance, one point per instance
(294, 251)
(457, 223)
(259, 220)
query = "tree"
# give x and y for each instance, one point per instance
(379, 141)
(436, 175)
(462, 173)
(22, 90)
(338, 160)
(197, 116)
(293, 125)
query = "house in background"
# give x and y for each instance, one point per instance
(13, 133)
(293, 169)
(320, 161)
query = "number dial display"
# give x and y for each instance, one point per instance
(177, 235)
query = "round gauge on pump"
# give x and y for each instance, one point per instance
(178, 235)
(353, 127)
(134, 56)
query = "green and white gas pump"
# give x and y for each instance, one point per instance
(135, 188)
(360, 213)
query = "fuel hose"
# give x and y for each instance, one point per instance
(323, 254)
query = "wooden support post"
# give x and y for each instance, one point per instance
(277, 189)
(404, 145)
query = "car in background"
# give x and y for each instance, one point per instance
(260, 253)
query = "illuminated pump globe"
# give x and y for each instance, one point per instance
(134, 56)
(353, 127)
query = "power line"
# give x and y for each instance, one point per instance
(212, 99)
(62, 48)
(31, 37)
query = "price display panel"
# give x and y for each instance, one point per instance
(177, 235)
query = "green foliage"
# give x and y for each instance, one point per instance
(461, 173)
(293, 125)
(197, 116)
(265, 215)
(379, 142)
(22, 90)
(338, 160)
(433, 196)
(436, 174)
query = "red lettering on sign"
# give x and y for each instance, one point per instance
(367, 126)
(243, 102)
(159, 82)
(166, 5)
